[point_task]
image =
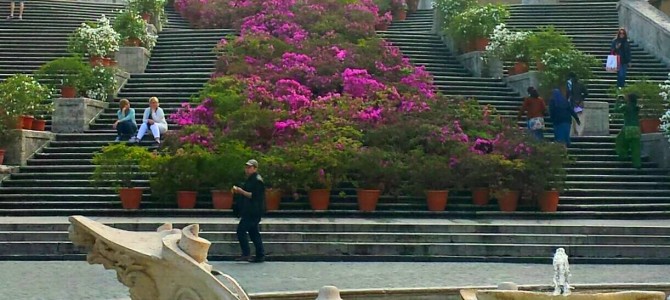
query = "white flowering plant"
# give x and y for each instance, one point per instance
(559, 63)
(21, 94)
(450, 8)
(476, 22)
(102, 83)
(95, 39)
(665, 96)
(505, 44)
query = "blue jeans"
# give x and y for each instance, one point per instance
(538, 134)
(621, 75)
(126, 129)
(562, 133)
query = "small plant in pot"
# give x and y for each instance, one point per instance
(179, 173)
(433, 175)
(547, 38)
(68, 73)
(545, 171)
(121, 166)
(148, 9)
(650, 101)
(472, 28)
(133, 30)
(223, 169)
(374, 171)
(44, 110)
(278, 175)
(508, 45)
(22, 95)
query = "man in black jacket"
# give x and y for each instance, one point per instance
(251, 206)
(576, 93)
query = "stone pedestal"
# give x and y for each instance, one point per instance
(27, 143)
(133, 59)
(121, 79)
(438, 22)
(521, 82)
(474, 62)
(657, 147)
(596, 118)
(426, 4)
(646, 26)
(538, 2)
(74, 115)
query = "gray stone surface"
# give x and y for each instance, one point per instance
(133, 59)
(521, 82)
(657, 147)
(596, 118)
(475, 63)
(121, 79)
(648, 26)
(75, 114)
(28, 142)
(78, 280)
(538, 2)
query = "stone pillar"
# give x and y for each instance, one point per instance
(438, 22)
(646, 26)
(121, 79)
(27, 143)
(475, 63)
(521, 82)
(596, 118)
(657, 147)
(75, 115)
(132, 59)
(426, 4)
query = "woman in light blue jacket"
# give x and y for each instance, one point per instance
(125, 124)
(154, 120)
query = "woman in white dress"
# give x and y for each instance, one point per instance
(154, 120)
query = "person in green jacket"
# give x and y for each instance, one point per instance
(628, 143)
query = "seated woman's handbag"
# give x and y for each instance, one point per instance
(536, 123)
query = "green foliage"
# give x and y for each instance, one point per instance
(8, 134)
(68, 71)
(545, 168)
(181, 171)
(476, 22)
(378, 169)
(101, 83)
(547, 38)
(225, 167)
(119, 165)
(383, 5)
(451, 8)
(21, 94)
(558, 63)
(129, 25)
(650, 101)
(432, 172)
(153, 7)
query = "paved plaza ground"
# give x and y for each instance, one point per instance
(78, 280)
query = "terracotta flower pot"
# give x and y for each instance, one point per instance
(108, 62)
(548, 201)
(272, 199)
(95, 60)
(367, 200)
(135, 42)
(399, 15)
(481, 196)
(39, 125)
(518, 68)
(130, 197)
(186, 199)
(509, 201)
(2, 156)
(480, 44)
(319, 199)
(222, 199)
(437, 200)
(650, 125)
(68, 92)
(27, 122)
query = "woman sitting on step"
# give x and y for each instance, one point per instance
(154, 120)
(125, 124)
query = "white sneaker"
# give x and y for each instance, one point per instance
(118, 139)
(133, 140)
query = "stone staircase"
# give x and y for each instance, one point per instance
(597, 181)
(384, 240)
(42, 34)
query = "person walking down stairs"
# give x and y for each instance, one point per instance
(154, 120)
(576, 93)
(534, 108)
(621, 46)
(561, 113)
(628, 140)
(12, 6)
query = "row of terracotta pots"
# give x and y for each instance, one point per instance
(509, 200)
(131, 198)
(31, 123)
(101, 61)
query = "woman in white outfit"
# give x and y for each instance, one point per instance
(154, 120)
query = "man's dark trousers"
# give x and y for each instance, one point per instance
(250, 225)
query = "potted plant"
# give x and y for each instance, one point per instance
(133, 30)
(472, 27)
(97, 40)
(539, 42)
(119, 165)
(277, 173)
(22, 95)
(374, 171)
(148, 9)
(651, 102)
(433, 175)
(510, 174)
(399, 8)
(179, 174)
(545, 173)
(508, 45)
(559, 63)
(44, 111)
(450, 8)
(70, 73)
(101, 84)
(478, 175)
(223, 169)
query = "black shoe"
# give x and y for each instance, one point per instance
(243, 258)
(257, 259)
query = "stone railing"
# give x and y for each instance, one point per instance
(648, 26)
